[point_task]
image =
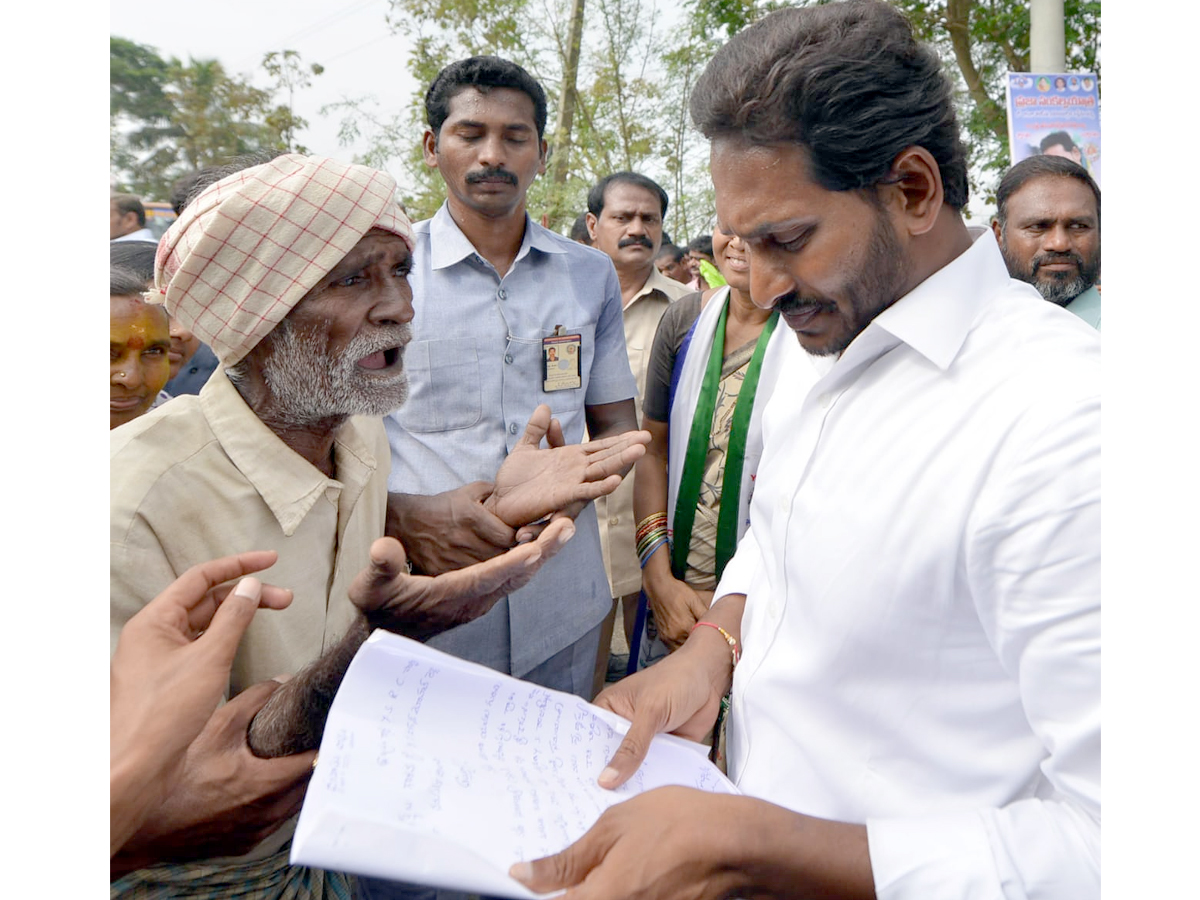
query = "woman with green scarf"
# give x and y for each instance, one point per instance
(713, 365)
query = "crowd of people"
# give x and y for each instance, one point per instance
(834, 468)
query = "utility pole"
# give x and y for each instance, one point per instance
(1047, 36)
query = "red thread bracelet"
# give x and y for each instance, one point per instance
(729, 639)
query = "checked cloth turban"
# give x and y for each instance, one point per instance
(250, 246)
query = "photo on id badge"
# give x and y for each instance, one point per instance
(560, 361)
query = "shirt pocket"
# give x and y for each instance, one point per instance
(444, 389)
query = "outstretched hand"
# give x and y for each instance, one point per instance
(169, 672)
(446, 531)
(419, 606)
(535, 481)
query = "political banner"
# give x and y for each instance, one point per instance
(1054, 113)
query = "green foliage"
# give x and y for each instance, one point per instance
(630, 110)
(290, 74)
(168, 117)
(981, 40)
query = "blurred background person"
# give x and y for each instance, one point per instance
(671, 262)
(127, 220)
(704, 269)
(579, 230)
(192, 361)
(139, 338)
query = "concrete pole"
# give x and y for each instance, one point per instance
(1047, 36)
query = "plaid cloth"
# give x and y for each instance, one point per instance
(248, 248)
(264, 879)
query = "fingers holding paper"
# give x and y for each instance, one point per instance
(665, 843)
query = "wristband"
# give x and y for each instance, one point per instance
(729, 639)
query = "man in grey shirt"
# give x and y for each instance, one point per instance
(508, 316)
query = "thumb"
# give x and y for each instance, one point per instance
(478, 491)
(629, 756)
(373, 586)
(231, 620)
(536, 428)
(565, 869)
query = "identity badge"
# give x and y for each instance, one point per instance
(560, 361)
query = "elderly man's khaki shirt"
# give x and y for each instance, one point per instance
(203, 477)
(615, 511)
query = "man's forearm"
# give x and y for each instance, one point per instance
(294, 718)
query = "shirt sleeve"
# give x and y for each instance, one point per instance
(1033, 567)
(672, 328)
(746, 561)
(610, 379)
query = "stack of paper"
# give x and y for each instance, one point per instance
(443, 772)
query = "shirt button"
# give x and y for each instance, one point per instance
(512, 429)
(615, 520)
(502, 294)
(508, 358)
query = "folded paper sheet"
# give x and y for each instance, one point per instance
(442, 772)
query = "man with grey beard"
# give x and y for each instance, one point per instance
(295, 273)
(1048, 226)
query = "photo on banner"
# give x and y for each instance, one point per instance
(1056, 113)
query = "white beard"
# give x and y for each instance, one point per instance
(309, 385)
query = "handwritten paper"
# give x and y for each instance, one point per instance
(444, 773)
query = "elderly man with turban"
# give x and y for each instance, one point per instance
(295, 273)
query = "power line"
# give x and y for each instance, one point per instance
(328, 20)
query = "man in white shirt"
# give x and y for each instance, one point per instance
(127, 219)
(917, 710)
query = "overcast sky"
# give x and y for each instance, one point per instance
(350, 38)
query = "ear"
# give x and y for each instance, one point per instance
(914, 190)
(429, 146)
(544, 149)
(997, 232)
(591, 225)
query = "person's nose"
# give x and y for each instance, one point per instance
(491, 151)
(126, 373)
(1056, 239)
(179, 331)
(395, 305)
(770, 279)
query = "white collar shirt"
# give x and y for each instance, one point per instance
(922, 625)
